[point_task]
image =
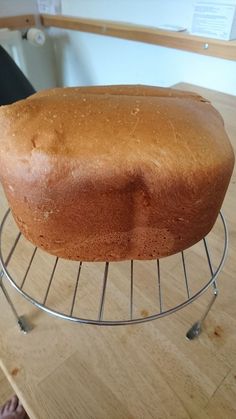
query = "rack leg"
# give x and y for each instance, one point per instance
(21, 321)
(196, 328)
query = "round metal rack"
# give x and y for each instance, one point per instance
(76, 296)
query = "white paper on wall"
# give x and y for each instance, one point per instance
(214, 20)
(49, 6)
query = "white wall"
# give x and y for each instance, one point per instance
(38, 63)
(78, 58)
(94, 59)
(17, 7)
(146, 12)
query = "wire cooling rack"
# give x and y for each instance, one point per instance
(117, 293)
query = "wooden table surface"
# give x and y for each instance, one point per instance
(64, 370)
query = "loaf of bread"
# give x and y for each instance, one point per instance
(114, 172)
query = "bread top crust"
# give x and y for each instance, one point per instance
(108, 129)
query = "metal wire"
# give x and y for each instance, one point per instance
(131, 288)
(103, 292)
(208, 256)
(210, 265)
(12, 249)
(28, 268)
(159, 284)
(185, 274)
(160, 312)
(76, 287)
(50, 281)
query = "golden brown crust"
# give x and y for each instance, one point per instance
(114, 172)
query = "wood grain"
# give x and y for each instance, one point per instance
(176, 40)
(5, 389)
(17, 22)
(62, 370)
(169, 39)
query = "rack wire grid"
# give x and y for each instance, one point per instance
(115, 293)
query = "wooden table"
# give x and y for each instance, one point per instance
(67, 371)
